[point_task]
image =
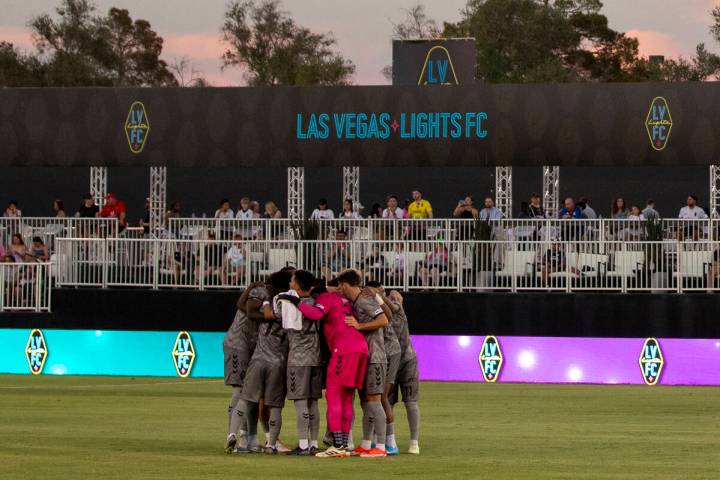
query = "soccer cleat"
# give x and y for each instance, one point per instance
(242, 450)
(271, 450)
(333, 452)
(414, 449)
(356, 452)
(393, 450)
(374, 453)
(281, 447)
(314, 450)
(255, 449)
(230, 443)
(299, 451)
(328, 439)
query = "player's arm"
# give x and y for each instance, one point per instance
(254, 310)
(386, 303)
(378, 322)
(242, 301)
(311, 312)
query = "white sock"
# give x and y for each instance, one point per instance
(303, 442)
(413, 443)
(314, 444)
(267, 437)
(380, 446)
(390, 441)
(365, 444)
(243, 439)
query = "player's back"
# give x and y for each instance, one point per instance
(243, 332)
(304, 344)
(339, 336)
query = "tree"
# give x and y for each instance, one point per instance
(186, 74)
(415, 25)
(274, 50)
(18, 69)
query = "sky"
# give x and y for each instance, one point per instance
(362, 28)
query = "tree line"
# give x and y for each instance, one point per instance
(517, 41)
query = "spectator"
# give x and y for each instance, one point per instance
(490, 211)
(692, 211)
(115, 208)
(17, 252)
(337, 258)
(174, 211)
(465, 209)
(322, 212)
(619, 209)
(587, 210)
(256, 209)
(272, 211)
(436, 263)
(635, 213)
(224, 211)
(3, 252)
(536, 209)
(714, 270)
(245, 211)
(234, 265)
(12, 210)
(348, 212)
(406, 207)
(419, 208)
(553, 261)
(393, 210)
(145, 221)
(88, 208)
(377, 211)
(650, 213)
(524, 210)
(570, 210)
(39, 250)
(374, 265)
(59, 208)
(397, 269)
(213, 259)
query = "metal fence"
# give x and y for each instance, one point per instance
(51, 228)
(458, 265)
(25, 287)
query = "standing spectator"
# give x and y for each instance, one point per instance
(145, 221)
(692, 210)
(12, 210)
(173, 212)
(348, 212)
(490, 211)
(322, 212)
(619, 209)
(272, 211)
(224, 211)
(393, 210)
(245, 211)
(535, 209)
(115, 208)
(570, 210)
(58, 208)
(524, 210)
(406, 207)
(377, 211)
(466, 209)
(88, 208)
(587, 210)
(419, 207)
(39, 250)
(650, 213)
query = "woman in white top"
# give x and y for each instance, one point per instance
(224, 211)
(322, 212)
(348, 211)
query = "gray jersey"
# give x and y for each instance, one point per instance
(243, 332)
(392, 345)
(400, 325)
(366, 309)
(305, 344)
(272, 343)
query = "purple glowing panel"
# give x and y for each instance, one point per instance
(569, 360)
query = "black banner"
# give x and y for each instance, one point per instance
(471, 125)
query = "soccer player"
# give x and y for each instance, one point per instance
(407, 378)
(393, 352)
(369, 319)
(265, 378)
(346, 368)
(238, 346)
(304, 368)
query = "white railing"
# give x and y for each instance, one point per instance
(459, 265)
(51, 228)
(25, 287)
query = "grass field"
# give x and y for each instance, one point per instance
(111, 427)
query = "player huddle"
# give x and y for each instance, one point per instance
(274, 349)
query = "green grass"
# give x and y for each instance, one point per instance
(113, 427)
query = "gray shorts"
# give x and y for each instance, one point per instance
(304, 383)
(407, 382)
(264, 381)
(375, 379)
(393, 366)
(236, 364)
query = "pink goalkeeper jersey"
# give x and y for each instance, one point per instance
(339, 337)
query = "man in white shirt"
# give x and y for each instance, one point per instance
(692, 211)
(589, 212)
(322, 212)
(392, 210)
(224, 211)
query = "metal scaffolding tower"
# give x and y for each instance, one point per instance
(503, 190)
(296, 192)
(98, 184)
(551, 190)
(158, 198)
(351, 185)
(714, 191)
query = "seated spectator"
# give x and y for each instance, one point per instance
(256, 209)
(322, 212)
(115, 208)
(619, 209)
(419, 207)
(552, 261)
(570, 210)
(245, 211)
(145, 221)
(650, 213)
(393, 210)
(272, 211)
(524, 210)
(12, 210)
(185, 263)
(374, 265)
(587, 210)
(436, 263)
(59, 208)
(213, 259)
(714, 271)
(376, 211)
(348, 212)
(692, 210)
(337, 257)
(224, 211)
(234, 265)
(397, 269)
(490, 211)
(635, 213)
(17, 251)
(39, 250)
(88, 208)
(466, 209)
(536, 209)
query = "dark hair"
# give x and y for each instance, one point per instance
(305, 279)
(332, 282)
(288, 268)
(694, 197)
(535, 195)
(38, 240)
(582, 205)
(322, 202)
(13, 202)
(391, 196)
(87, 196)
(350, 202)
(280, 281)
(59, 204)
(650, 202)
(351, 277)
(373, 284)
(224, 201)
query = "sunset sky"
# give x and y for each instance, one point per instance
(362, 27)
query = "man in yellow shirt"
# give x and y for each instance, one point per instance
(419, 208)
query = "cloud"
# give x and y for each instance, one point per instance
(658, 43)
(18, 36)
